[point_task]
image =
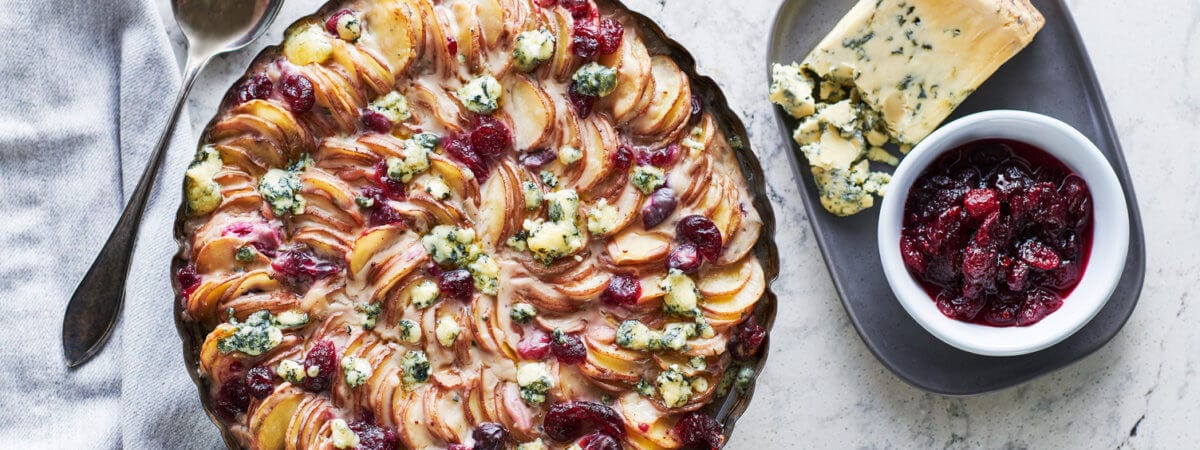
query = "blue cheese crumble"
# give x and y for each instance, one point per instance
(257, 335)
(343, 436)
(532, 193)
(550, 240)
(682, 297)
(370, 313)
(416, 367)
(203, 193)
(447, 331)
(290, 371)
(635, 335)
(595, 80)
(535, 381)
(281, 189)
(393, 106)
(485, 272)
(792, 90)
(522, 312)
(437, 188)
(349, 28)
(449, 245)
(647, 178)
(415, 161)
(356, 371)
(410, 331)
(602, 217)
(567, 155)
(674, 388)
(481, 95)
(533, 48)
(425, 294)
(562, 205)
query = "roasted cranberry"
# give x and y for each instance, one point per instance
(490, 436)
(257, 87)
(747, 340)
(546, 3)
(658, 207)
(580, 9)
(581, 102)
(188, 279)
(534, 346)
(491, 137)
(456, 284)
(585, 40)
(567, 348)
(698, 431)
(1038, 255)
(698, 230)
(459, 147)
(622, 159)
(232, 398)
(537, 159)
(371, 436)
(452, 46)
(384, 214)
(376, 122)
(299, 263)
(260, 382)
(391, 188)
(331, 24)
(567, 421)
(599, 441)
(609, 36)
(684, 257)
(297, 89)
(322, 360)
(661, 157)
(622, 290)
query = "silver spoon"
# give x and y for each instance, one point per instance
(212, 27)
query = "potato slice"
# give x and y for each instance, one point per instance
(638, 247)
(530, 110)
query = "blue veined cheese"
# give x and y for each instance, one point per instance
(370, 314)
(878, 154)
(568, 154)
(415, 161)
(675, 335)
(535, 381)
(674, 388)
(416, 367)
(291, 371)
(548, 178)
(447, 331)
(744, 377)
(533, 48)
(281, 190)
(522, 312)
(645, 388)
(602, 217)
(562, 205)
(343, 436)
(348, 27)
(682, 297)
(425, 294)
(356, 371)
(437, 188)
(203, 193)
(694, 141)
(698, 363)
(410, 331)
(550, 240)
(532, 193)
(309, 45)
(485, 272)
(393, 105)
(481, 95)
(449, 245)
(595, 79)
(245, 254)
(847, 191)
(635, 335)
(292, 318)
(647, 178)
(427, 141)
(792, 90)
(533, 445)
(257, 335)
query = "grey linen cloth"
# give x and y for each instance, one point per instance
(85, 87)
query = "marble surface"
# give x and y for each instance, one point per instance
(823, 388)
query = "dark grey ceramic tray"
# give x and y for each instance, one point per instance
(1052, 76)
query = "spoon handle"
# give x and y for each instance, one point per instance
(94, 307)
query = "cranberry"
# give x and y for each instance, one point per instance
(534, 346)
(260, 382)
(1001, 314)
(456, 284)
(684, 257)
(371, 436)
(1079, 202)
(622, 290)
(622, 159)
(580, 9)
(658, 207)
(566, 421)
(458, 147)
(232, 398)
(391, 188)
(981, 202)
(662, 157)
(1039, 303)
(188, 279)
(913, 257)
(585, 40)
(1016, 275)
(257, 87)
(457, 447)
(698, 230)
(323, 357)
(1010, 178)
(599, 441)
(697, 430)
(539, 158)
(1038, 255)
(383, 214)
(301, 264)
(546, 3)
(331, 24)
(609, 36)
(452, 46)
(376, 122)
(567, 348)
(697, 109)
(491, 137)
(297, 89)
(979, 264)
(959, 307)
(490, 436)
(581, 102)
(747, 340)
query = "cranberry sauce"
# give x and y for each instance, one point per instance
(998, 232)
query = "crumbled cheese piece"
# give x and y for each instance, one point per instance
(415, 161)
(485, 272)
(245, 254)
(481, 95)
(425, 294)
(309, 45)
(371, 312)
(522, 312)
(535, 381)
(548, 179)
(533, 195)
(675, 335)
(562, 205)
(647, 178)
(416, 367)
(437, 188)
(291, 319)
(356, 370)
(674, 387)
(257, 335)
(349, 28)
(595, 80)
(549, 241)
(410, 331)
(682, 298)
(602, 217)
(694, 140)
(533, 48)
(203, 193)
(567, 155)
(449, 245)
(343, 436)
(792, 90)
(447, 331)
(744, 377)
(645, 388)
(393, 106)
(291, 371)
(281, 189)
(635, 335)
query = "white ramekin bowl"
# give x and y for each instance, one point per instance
(1110, 238)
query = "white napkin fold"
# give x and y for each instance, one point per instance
(85, 89)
